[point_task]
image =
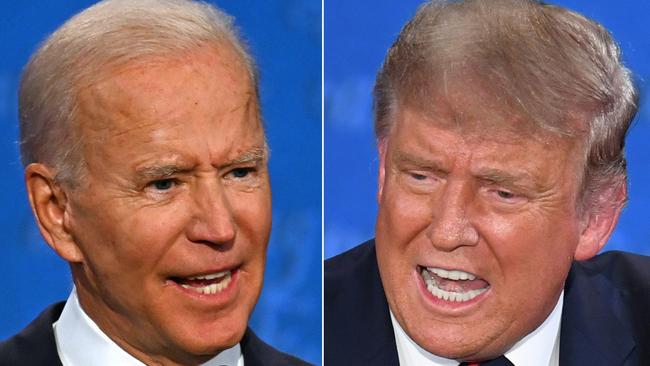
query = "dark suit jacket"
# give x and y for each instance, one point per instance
(35, 346)
(605, 319)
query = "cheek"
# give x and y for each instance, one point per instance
(529, 237)
(152, 233)
(252, 215)
(533, 253)
(124, 242)
(400, 235)
(403, 216)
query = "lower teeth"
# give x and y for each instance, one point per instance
(439, 293)
(212, 288)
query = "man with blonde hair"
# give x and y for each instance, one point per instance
(500, 126)
(146, 168)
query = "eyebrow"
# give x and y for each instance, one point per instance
(402, 157)
(253, 155)
(162, 171)
(521, 179)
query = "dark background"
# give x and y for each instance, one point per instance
(357, 35)
(285, 38)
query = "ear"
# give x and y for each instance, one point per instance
(600, 219)
(49, 205)
(382, 146)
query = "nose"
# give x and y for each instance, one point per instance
(213, 221)
(451, 226)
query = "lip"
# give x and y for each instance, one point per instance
(446, 268)
(459, 267)
(229, 267)
(221, 298)
(448, 307)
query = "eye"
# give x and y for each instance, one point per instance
(505, 194)
(417, 176)
(241, 173)
(420, 177)
(163, 184)
(507, 197)
(420, 181)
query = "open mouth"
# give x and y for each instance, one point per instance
(452, 285)
(207, 284)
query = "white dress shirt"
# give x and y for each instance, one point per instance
(80, 342)
(539, 348)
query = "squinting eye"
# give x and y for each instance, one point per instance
(163, 184)
(417, 176)
(241, 172)
(506, 194)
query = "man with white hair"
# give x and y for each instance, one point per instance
(500, 126)
(146, 169)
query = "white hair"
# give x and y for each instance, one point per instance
(109, 33)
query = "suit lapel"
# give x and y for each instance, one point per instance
(377, 335)
(35, 345)
(358, 329)
(253, 349)
(595, 327)
(258, 353)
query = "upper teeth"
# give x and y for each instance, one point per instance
(212, 288)
(452, 274)
(210, 276)
(434, 288)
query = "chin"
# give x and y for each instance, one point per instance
(206, 339)
(442, 344)
(458, 346)
(447, 349)
(215, 345)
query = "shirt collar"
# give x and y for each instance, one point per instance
(536, 349)
(80, 342)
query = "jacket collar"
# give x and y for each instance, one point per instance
(378, 330)
(596, 329)
(39, 335)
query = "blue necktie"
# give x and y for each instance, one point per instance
(501, 361)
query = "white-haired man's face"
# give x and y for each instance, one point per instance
(167, 234)
(478, 225)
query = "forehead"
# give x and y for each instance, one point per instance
(210, 80)
(198, 109)
(438, 141)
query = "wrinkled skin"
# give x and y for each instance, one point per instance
(465, 188)
(176, 185)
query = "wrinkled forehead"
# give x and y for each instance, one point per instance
(168, 88)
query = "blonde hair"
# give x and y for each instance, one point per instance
(546, 62)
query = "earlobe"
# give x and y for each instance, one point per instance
(49, 205)
(600, 222)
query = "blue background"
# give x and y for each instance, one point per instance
(357, 35)
(285, 38)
